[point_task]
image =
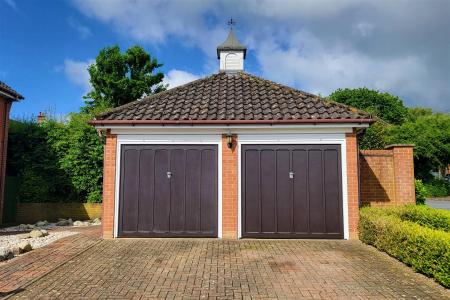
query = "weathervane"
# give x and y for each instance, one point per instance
(231, 23)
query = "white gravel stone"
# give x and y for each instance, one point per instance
(13, 241)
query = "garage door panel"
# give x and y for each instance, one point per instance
(332, 192)
(315, 187)
(193, 173)
(208, 208)
(146, 191)
(284, 192)
(268, 191)
(130, 190)
(162, 192)
(252, 180)
(301, 209)
(177, 190)
(306, 199)
(171, 190)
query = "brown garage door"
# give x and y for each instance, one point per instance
(291, 191)
(168, 191)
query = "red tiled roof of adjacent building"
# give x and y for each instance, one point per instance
(7, 91)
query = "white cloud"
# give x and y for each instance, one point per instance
(77, 73)
(321, 69)
(363, 29)
(82, 30)
(399, 46)
(12, 4)
(176, 78)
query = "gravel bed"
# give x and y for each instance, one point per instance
(9, 241)
(27, 229)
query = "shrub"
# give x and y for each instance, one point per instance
(421, 192)
(426, 216)
(33, 162)
(80, 154)
(437, 188)
(426, 250)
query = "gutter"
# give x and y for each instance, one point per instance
(226, 122)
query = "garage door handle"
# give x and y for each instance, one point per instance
(291, 175)
(169, 174)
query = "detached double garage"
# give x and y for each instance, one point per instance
(283, 190)
(231, 155)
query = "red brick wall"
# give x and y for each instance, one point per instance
(387, 176)
(5, 106)
(352, 183)
(377, 177)
(109, 178)
(229, 189)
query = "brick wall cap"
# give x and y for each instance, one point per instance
(400, 146)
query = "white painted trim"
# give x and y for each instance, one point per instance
(338, 139)
(169, 139)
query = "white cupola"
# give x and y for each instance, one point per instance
(231, 54)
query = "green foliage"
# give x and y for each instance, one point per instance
(430, 135)
(32, 160)
(438, 219)
(79, 152)
(387, 109)
(437, 188)
(423, 215)
(421, 191)
(426, 250)
(374, 137)
(119, 78)
(385, 106)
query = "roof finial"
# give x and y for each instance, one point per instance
(231, 23)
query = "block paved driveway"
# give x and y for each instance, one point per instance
(195, 268)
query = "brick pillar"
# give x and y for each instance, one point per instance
(229, 189)
(352, 184)
(5, 106)
(404, 174)
(109, 178)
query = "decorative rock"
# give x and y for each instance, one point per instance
(25, 226)
(62, 222)
(42, 223)
(24, 236)
(80, 223)
(44, 232)
(36, 234)
(5, 254)
(24, 247)
(96, 221)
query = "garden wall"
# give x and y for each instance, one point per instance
(387, 176)
(33, 212)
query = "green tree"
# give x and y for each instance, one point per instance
(33, 161)
(80, 153)
(118, 78)
(386, 108)
(430, 133)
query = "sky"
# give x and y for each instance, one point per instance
(401, 47)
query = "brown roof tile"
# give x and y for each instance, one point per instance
(9, 92)
(232, 97)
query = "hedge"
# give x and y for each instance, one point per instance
(438, 219)
(425, 249)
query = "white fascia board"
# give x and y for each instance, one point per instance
(250, 129)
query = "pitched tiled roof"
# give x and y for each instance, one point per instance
(232, 98)
(9, 92)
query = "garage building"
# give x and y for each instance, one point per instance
(231, 155)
